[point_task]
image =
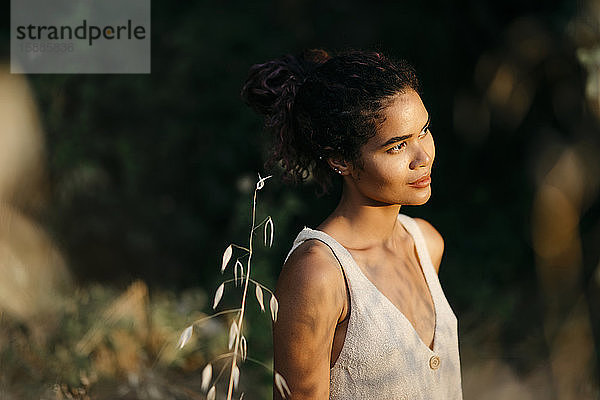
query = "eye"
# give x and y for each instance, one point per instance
(397, 148)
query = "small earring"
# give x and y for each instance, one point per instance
(337, 170)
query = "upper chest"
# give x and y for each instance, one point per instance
(397, 274)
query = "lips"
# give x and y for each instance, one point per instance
(421, 180)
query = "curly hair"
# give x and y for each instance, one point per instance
(319, 105)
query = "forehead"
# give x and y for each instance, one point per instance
(405, 115)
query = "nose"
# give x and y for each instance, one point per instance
(421, 159)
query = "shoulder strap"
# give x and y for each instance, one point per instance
(424, 258)
(350, 270)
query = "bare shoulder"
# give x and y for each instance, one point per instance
(312, 274)
(434, 240)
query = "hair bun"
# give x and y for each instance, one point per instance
(270, 87)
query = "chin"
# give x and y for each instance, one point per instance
(418, 200)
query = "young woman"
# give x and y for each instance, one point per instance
(362, 314)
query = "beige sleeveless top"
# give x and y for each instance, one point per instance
(383, 357)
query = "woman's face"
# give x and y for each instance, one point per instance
(401, 153)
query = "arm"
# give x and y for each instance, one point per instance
(435, 242)
(311, 293)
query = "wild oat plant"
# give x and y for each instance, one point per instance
(237, 340)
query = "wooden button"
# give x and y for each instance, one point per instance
(434, 362)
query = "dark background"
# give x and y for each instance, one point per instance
(151, 176)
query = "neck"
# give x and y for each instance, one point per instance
(359, 222)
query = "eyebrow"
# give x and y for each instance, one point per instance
(404, 137)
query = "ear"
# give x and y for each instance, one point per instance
(337, 163)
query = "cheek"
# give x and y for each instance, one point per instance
(388, 169)
(369, 170)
